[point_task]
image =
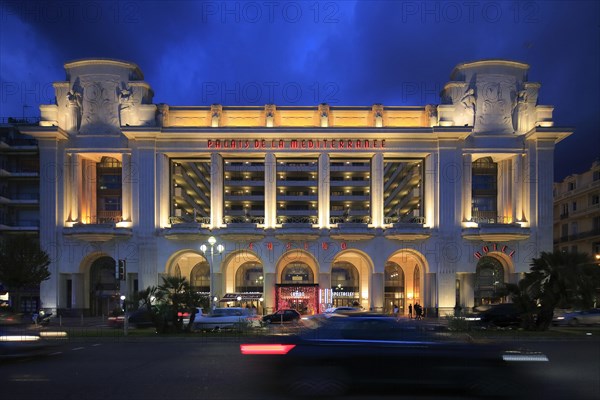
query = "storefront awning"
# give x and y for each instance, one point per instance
(229, 297)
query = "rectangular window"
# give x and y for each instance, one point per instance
(595, 199)
(297, 190)
(348, 175)
(571, 185)
(574, 206)
(244, 191)
(403, 190)
(190, 190)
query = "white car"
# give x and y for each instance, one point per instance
(186, 316)
(224, 318)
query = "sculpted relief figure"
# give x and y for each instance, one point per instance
(73, 114)
(469, 104)
(127, 104)
(520, 118)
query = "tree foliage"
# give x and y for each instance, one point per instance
(172, 296)
(22, 264)
(559, 279)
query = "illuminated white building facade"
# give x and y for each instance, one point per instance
(310, 206)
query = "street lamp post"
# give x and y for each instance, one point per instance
(212, 241)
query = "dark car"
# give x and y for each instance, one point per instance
(282, 316)
(500, 315)
(140, 318)
(371, 353)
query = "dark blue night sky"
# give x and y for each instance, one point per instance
(309, 52)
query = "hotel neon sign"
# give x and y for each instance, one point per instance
(296, 144)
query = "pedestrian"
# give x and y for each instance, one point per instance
(410, 311)
(395, 310)
(418, 310)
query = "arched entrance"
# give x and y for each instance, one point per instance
(244, 280)
(490, 284)
(297, 289)
(345, 284)
(104, 293)
(404, 274)
(356, 268)
(297, 282)
(192, 266)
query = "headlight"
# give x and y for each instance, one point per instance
(560, 318)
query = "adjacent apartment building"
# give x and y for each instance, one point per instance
(577, 213)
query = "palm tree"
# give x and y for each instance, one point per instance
(173, 292)
(560, 279)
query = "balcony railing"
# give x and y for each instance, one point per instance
(404, 220)
(242, 219)
(487, 218)
(359, 219)
(298, 219)
(189, 219)
(104, 217)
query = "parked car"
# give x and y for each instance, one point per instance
(224, 318)
(282, 316)
(140, 318)
(369, 353)
(186, 315)
(498, 315)
(576, 318)
(13, 318)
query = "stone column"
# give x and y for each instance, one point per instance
(545, 199)
(504, 192)
(50, 173)
(430, 191)
(377, 295)
(127, 180)
(145, 159)
(270, 191)
(467, 187)
(216, 190)
(377, 190)
(517, 187)
(324, 192)
(269, 294)
(163, 190)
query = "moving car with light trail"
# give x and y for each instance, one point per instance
(370, 352)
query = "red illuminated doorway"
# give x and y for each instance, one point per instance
(302, 298)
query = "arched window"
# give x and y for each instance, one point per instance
(298, 273)
(249, 277)
(394, 287)
(200, 277)
(489, 282)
